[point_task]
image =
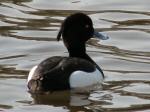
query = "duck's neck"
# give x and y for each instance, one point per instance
(79, 52)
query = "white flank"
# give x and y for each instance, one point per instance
(31, 73)
(82, 79)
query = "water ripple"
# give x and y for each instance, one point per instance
(28, 30)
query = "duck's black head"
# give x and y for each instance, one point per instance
(75, 31)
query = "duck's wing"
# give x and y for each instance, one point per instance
(53, 73)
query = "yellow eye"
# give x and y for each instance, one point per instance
(87, 26)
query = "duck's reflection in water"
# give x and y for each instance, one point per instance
(68, 99)
(74, 99)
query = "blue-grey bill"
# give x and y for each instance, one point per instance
(101, 35)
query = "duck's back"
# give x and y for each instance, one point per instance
(54, 73)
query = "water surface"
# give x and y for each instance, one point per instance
(28, 30)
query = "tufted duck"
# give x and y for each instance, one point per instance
(77, 70)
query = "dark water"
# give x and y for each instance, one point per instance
(28, 29)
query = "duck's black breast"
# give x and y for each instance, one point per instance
(53, 73)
